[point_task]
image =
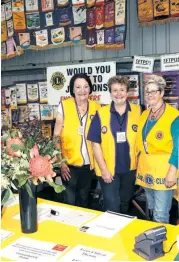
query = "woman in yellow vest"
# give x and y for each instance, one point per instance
(72, 124)
(157, 144)
(113, 135)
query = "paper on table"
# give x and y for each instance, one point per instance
(63, 215)
(12, 201)
(73, 217)
(107, 224)
(67, 215)
(83, 253)
(43, 214)
(5, 234)
(24, 249)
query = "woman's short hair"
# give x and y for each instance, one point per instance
(123, 80)
(155, 79)
(83, 76)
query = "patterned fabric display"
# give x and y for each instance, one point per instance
(42, 24)
(110, 22)
(151, 12)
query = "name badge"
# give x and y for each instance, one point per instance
(121, 137)
(80, 130)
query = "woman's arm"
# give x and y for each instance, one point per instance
(98, 154)
(65, 171)
(58, 125)
(173, 161)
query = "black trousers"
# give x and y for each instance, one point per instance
(127, 186)
(78, 187)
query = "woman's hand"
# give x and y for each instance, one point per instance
(65, 171)
(106, 176)
(170, 179)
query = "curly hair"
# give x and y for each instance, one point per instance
(123, 80)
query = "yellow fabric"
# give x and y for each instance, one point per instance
(121, 244)
(153, 167)
(108, 142)
(71, 141)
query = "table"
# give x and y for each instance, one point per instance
(121, 244)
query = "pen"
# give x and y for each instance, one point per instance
(119, 214)
(54, 212)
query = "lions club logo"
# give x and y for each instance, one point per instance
(159, 135)
(134, 128)
(104, 129)
(149, 180)
(57, 80)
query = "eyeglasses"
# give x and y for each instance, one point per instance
(153, 92)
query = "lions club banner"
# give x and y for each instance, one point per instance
(58, 79)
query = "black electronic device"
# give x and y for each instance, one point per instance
(149, 244)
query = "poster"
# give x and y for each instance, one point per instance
(58, 79)
(46, 112)
(13, 98)
(6, 120)
(34, 111)
(133, 85)
(43, 91)
(23, 113)
(32, 92)
(21, 93)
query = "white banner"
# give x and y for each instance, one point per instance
(169, 62)
(143, 64)
(58, 79)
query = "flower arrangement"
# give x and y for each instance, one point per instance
(28, 157)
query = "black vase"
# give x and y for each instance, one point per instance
(28, 209)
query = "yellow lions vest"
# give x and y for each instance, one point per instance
(153, 167)
(108, 141)
(71, 141)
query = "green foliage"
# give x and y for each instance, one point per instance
(57, 188)
(27, 186)
(15, 170)
(18, 147)
(6, 196)
(21, 180)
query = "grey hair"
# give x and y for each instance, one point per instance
(155, 79)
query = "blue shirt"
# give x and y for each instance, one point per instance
(175, 137)
(118, 123)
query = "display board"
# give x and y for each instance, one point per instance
(42, 24)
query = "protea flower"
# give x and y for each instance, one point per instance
(40, 166)
(13, 141)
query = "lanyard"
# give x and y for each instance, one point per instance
(79, 115)
(119, 121)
